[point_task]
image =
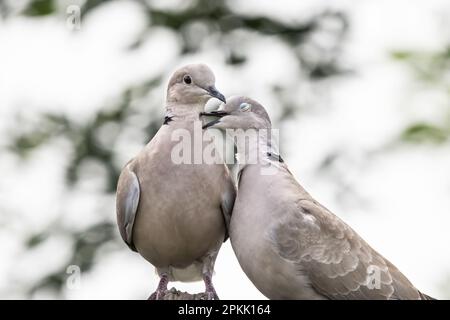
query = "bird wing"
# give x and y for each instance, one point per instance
(337, 261)
(127, 201)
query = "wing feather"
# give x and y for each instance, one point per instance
(127, 201)
(338, 262)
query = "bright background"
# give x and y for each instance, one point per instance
(360, 91)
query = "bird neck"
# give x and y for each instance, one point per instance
(259, 149)
(184, 112)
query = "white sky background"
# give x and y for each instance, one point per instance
(405, 213)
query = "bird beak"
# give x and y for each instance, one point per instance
(210, 124)
(216, 113)
(213, 92)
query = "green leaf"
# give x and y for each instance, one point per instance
(36, 239)
(401, 55)
(424, 133)
(40, 8)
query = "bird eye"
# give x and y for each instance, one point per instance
(187, 79)
(245, 106)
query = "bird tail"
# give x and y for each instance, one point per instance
(424, 296)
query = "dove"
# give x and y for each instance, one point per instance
(288, 244)
(175, 214)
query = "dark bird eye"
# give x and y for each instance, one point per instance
(187, 79)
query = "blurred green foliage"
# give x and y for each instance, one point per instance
(424, 132)
(82, 137)
(86, 244)
(431, 69)
(40, 8)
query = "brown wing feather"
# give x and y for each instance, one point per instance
(338, 262)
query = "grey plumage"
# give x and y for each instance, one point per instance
(289, 245)
(173, 214)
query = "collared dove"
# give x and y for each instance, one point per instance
(173, 214)
(288, 244)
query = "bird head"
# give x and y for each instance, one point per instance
(239, 113)
(192, 84)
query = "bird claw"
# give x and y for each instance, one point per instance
(211, 295)
(162, 288)
(157, 295)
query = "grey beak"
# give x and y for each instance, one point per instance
(213, 92)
